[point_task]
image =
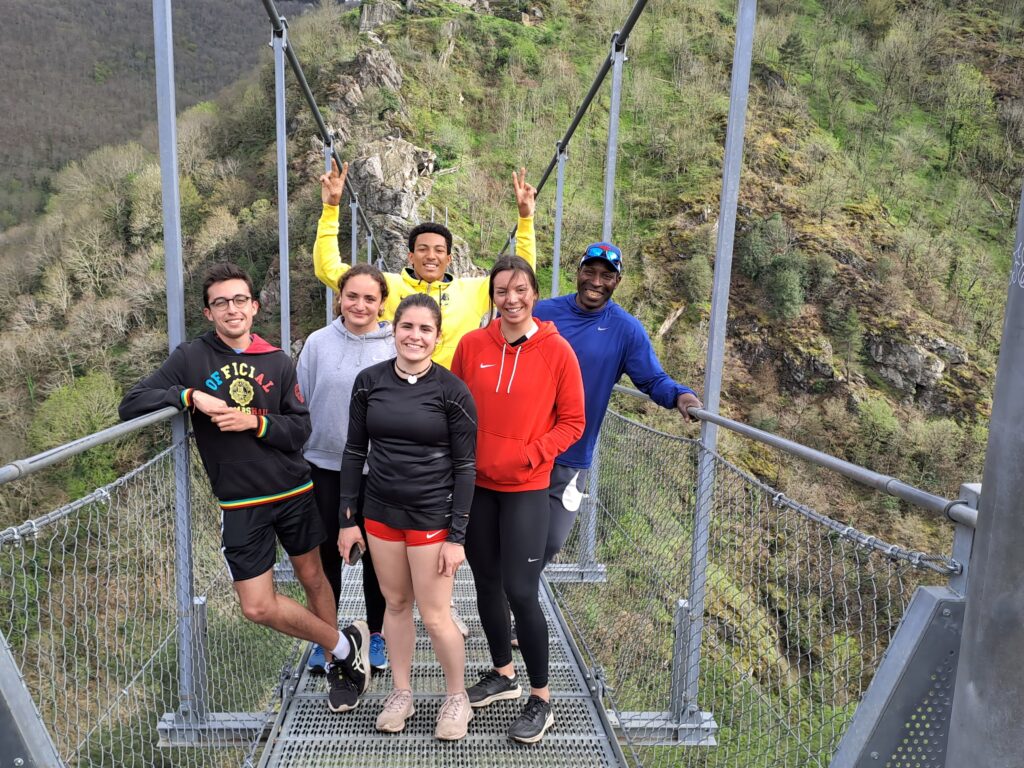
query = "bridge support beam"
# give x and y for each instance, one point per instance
(279, 42)
(354, 244)
(746, 17)
(618, 56)
(988, 705)
(328, 293)
(23, 737)
(189, 705)
(556, 250)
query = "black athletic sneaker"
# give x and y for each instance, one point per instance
(492, 687)
(357, 666)
(342, 693)
(533, 721)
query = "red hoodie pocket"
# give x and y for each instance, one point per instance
(501, 459)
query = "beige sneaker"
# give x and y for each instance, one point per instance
(459, 623)
(397, 709)
(453, 718)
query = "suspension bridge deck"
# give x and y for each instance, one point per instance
(308, 734)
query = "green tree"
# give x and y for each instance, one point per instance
(793, 53)
(966, 105)
(696, 284)
(75, 410)
(849, 335)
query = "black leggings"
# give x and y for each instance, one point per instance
(505, 548)
(327, 490)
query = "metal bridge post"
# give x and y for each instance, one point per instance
(328, 293)
(354, 245)
(618, 56)
(680, 635)
(200, 657)
(988, 700)
(556, 253)
(279, 43)
(23, 736)
(588, 533)
(746, 17)
(188, 696)
(963, 540)
(369, 248)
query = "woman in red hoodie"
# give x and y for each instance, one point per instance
(527, 386)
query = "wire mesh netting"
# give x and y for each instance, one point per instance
(797, 609)
(87, 605)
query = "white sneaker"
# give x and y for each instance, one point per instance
(397, 709)
(453, 717)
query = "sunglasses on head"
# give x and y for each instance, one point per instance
(603, 252)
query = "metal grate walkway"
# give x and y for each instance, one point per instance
(308, 734)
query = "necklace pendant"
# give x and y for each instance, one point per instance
(413, 379)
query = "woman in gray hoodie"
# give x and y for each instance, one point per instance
(328, 365)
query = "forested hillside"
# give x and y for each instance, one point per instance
(80, 75)
(882, 168)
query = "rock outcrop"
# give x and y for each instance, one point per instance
(918, 366)
(374, 13)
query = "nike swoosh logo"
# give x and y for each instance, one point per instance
(532, 559)
(487, 365)
(432, 535)
(602, 329)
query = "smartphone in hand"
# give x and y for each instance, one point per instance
(355, 553)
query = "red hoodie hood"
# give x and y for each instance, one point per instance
(258, 345)
(510, 355)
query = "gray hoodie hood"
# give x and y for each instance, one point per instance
(327, 368)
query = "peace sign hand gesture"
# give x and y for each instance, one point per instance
(333, 184)
(526, 194)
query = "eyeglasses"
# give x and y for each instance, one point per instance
(240, 300)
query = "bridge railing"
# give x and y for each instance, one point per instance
(798, 609)
(89, 618)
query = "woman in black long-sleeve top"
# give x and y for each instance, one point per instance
(414, 424)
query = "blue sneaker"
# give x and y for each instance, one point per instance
(317, 664)
(378, 652)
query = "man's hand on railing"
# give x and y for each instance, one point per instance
(686, 401)
(526, 194)
(333, 184)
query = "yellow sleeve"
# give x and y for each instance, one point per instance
(526, 241)
(327, 263)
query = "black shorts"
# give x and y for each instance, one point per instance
(249, 535)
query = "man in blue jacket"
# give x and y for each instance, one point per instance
(608, 342)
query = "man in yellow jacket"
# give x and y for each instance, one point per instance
(464, 301)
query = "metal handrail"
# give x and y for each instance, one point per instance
(23, 467)
(618, 43)
(952, 509)
(279, 23)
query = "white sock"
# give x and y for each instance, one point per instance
(342, 649)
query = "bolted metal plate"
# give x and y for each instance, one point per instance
(903, 719)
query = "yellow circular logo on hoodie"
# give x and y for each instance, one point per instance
(241, 392)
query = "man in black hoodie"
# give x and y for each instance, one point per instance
(250, 423)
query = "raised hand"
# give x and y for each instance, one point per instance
(333, 184)
(526, 194)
